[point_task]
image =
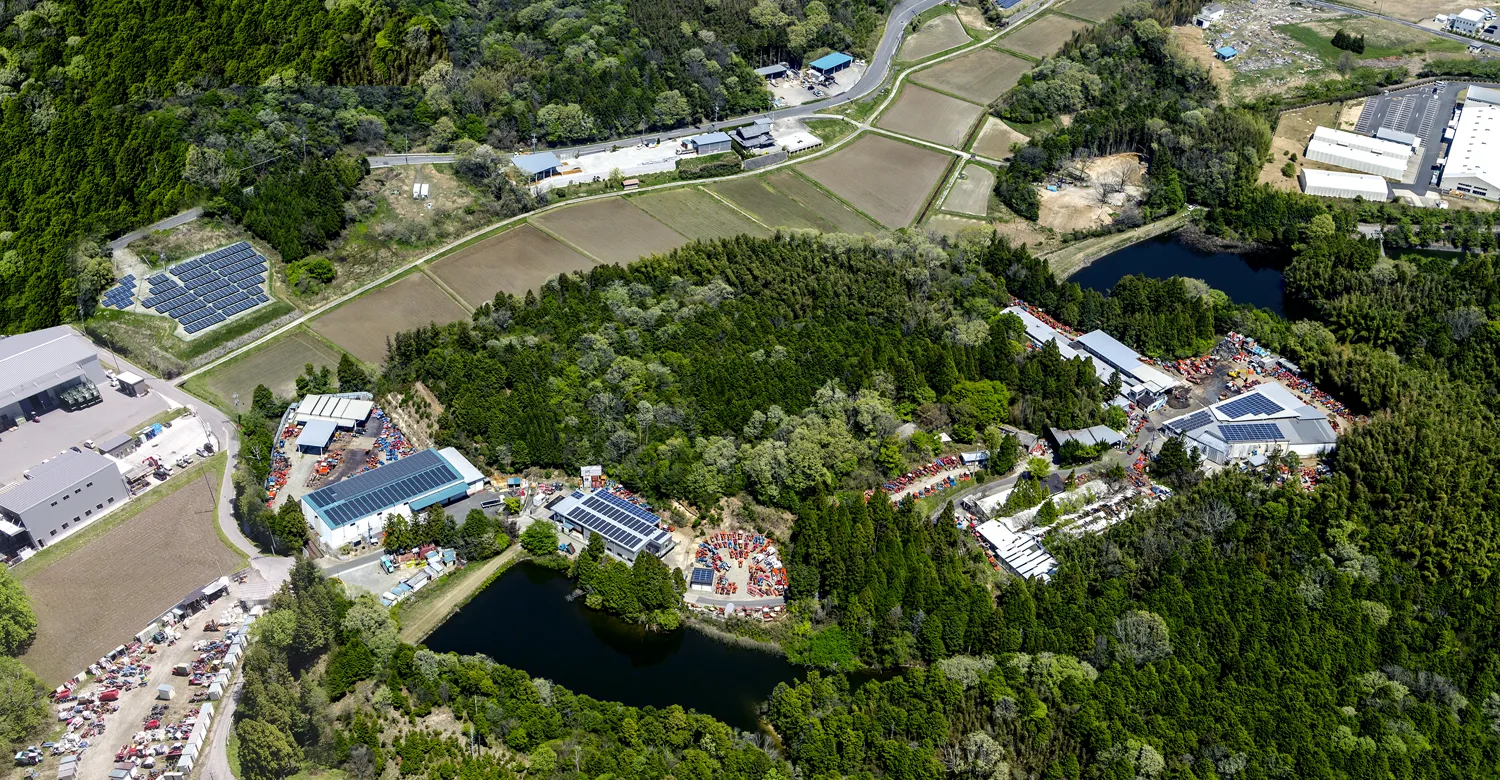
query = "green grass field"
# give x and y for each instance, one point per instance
(1382, 39)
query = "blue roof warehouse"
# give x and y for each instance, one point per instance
(358, 507)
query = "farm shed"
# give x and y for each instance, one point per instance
(39, 366)
(829, 64)
(702, 580)
(61, 496)
(1097, 434)
(316, 436)
(1211, 13)
(709, 143)
(536, 166)
(346, 410)
(1335, 184)
(118, 446)
(1226, 53)
(772, 71)
(131, 384)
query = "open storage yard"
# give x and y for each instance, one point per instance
(698, 215)
(833, 211)
(275, 365)
(930, 116)
(994, 139)
(937, 35)
(981, 75)
(611, 230)
(1093, 10)
(1043, 36)
(971, 195)
(887, 179)
(515, 261)
(147, 564)
(362, 325)
(771, 207)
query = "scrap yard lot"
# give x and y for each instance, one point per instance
(94, 597)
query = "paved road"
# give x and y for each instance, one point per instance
(875, 75)
(176, 220)
(1490, 47)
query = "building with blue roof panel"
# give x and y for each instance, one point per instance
(1226, 53)
(830, 64)
(358, 507)
(1006, 5)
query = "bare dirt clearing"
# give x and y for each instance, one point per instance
(973, 18)
(939, 34)
(981, 75)
(611, 230)
(1189, 40)
(1044, 36)
(995, 138)
(1111, 183)
(698, 215)
(971, 195)
(1292, 134)
(930, 116)
(98, 596)
(363, 325)
(513, 262)
(887, 179)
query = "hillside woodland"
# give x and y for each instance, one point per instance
(112, 116)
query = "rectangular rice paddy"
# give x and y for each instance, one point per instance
(886, 179)
(981, 75)
(1093, 10)
(1043, 36)
(612, 230)
(772, 208)
(930, 116)
(971, 195)
(833, 211)
(698, 215)
(513, 262)
(995, 138)
(363, 325)
(937, 35)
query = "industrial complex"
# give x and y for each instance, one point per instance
(64, 492)
(1473, 161)
(1266, 420)
(45, 370)
(628, 530)
(1140, 383)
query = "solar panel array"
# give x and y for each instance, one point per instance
(1254, 403)
(1257, 431)
(616, 519)
(121, 295)
(380, 489)
(703, 577)
(210, 288)
(1197, 419)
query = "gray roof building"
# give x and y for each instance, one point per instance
(627, 529)
(62, 494)
(32, 364)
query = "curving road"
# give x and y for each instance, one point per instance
(1488, 46)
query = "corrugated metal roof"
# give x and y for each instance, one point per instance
(316, 434)
(709, 138)
(1113, 352)
(35, 361)
(829, 61)
(53, 477)
(535, 163)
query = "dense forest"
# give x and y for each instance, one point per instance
(113, 115)
(642, 368)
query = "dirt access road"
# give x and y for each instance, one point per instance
(415, 626)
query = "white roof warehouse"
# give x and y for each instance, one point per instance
(35, 366)
(1473, 166)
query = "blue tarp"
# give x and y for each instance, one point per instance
(832, 61)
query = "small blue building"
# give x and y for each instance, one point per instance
(829, 64)
(1226, 53)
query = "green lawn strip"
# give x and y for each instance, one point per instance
(1329, 53)
(415, 609)
(49, 554)
(1065, 14)
(1015, 53)
(829, 130)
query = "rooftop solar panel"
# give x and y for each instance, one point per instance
(1197, 419)
(1257, 431)
(1254, 403)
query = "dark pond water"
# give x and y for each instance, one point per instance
(1246, 278)
(524, 620)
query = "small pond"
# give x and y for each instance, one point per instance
(1246, 278)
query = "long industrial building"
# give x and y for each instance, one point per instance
(1359, 153)
(324, 415)
(1022, 553)
(1335, 184)
(359, 506)
(59, 497)
(1473, 166)
(1140, 383)
(38, 369)
(628, 530)
(1266, 419)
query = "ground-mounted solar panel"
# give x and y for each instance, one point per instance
(254, 281)
(1254, 403)
(262, 298)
